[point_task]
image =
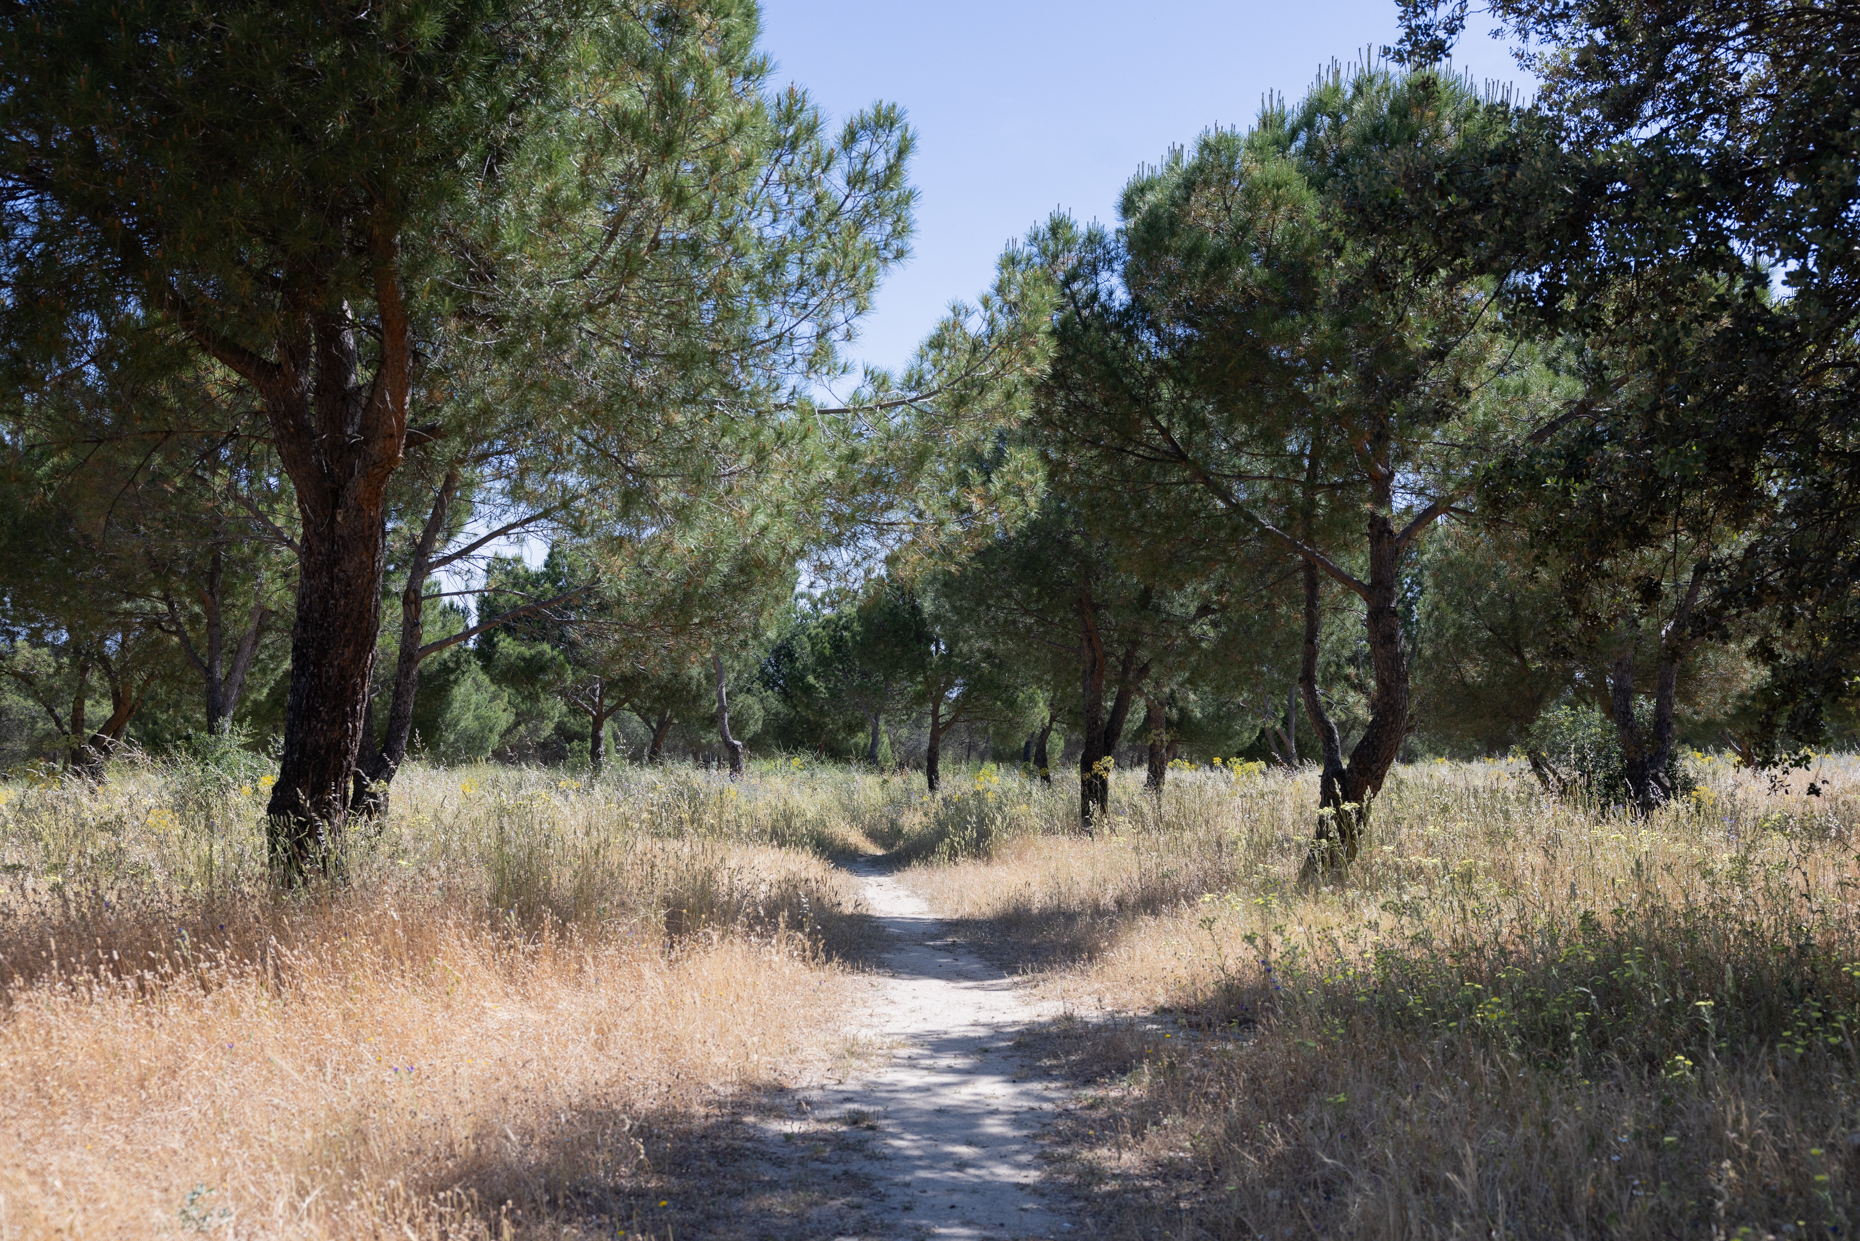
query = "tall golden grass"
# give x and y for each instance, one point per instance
(1515, 1017)
(498, 1024)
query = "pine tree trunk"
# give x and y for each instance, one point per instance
(94, 753)
(655, 753)
(1345, 792)
(597, 738)
(340, 438)
(1330, 746)
(379, 764)
(933, 747)
(217, 710)
(342, 559)
(76, 739)
(1094, 769)
(1156, 725)
(224, 685)
(731, 745)
(1647, 759)
(871, 749)
(1291, 727)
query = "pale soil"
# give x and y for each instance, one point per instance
(943, 1112)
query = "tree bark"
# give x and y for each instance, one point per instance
(1290, 734)
(74, 737)
(1345, 791)
(340, 439)
(1040, 763)
(1102, 731)
(95, 751)
(1647, 759)
(1156, 726)
(942, 719)
(1330, 746)
(224, 684)
(379, 763)
(655, 753)
(1130, 680)
(933, 747)
(332, 660)
(730, 744)
(1094, 766)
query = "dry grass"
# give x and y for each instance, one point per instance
(1516, 1017)
(535, 1007)
(512, 1017)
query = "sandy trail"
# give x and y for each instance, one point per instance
(955, 1106)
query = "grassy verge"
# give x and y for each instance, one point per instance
(518, 1015)
(1516, 1017)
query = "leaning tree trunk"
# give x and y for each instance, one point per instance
(378, 764)
(1040, 763)
(1345, 791)
(731, 745)
(94, 753)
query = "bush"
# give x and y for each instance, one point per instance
(1575, 750)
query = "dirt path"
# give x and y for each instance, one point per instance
(953, 1107)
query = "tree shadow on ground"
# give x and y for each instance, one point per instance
(762, 1165)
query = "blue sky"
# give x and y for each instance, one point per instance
(1022, 106)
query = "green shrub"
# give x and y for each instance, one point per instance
(1575, 750)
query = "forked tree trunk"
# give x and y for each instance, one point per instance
(1288, 735)
(378, 764)
(655, 753)
(942, 719)
(1647, 756)
(225, 683)
(340, 436)
(731, 745)
(1102, 729)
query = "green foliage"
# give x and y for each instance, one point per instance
(1575, 750)
(460, 714)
